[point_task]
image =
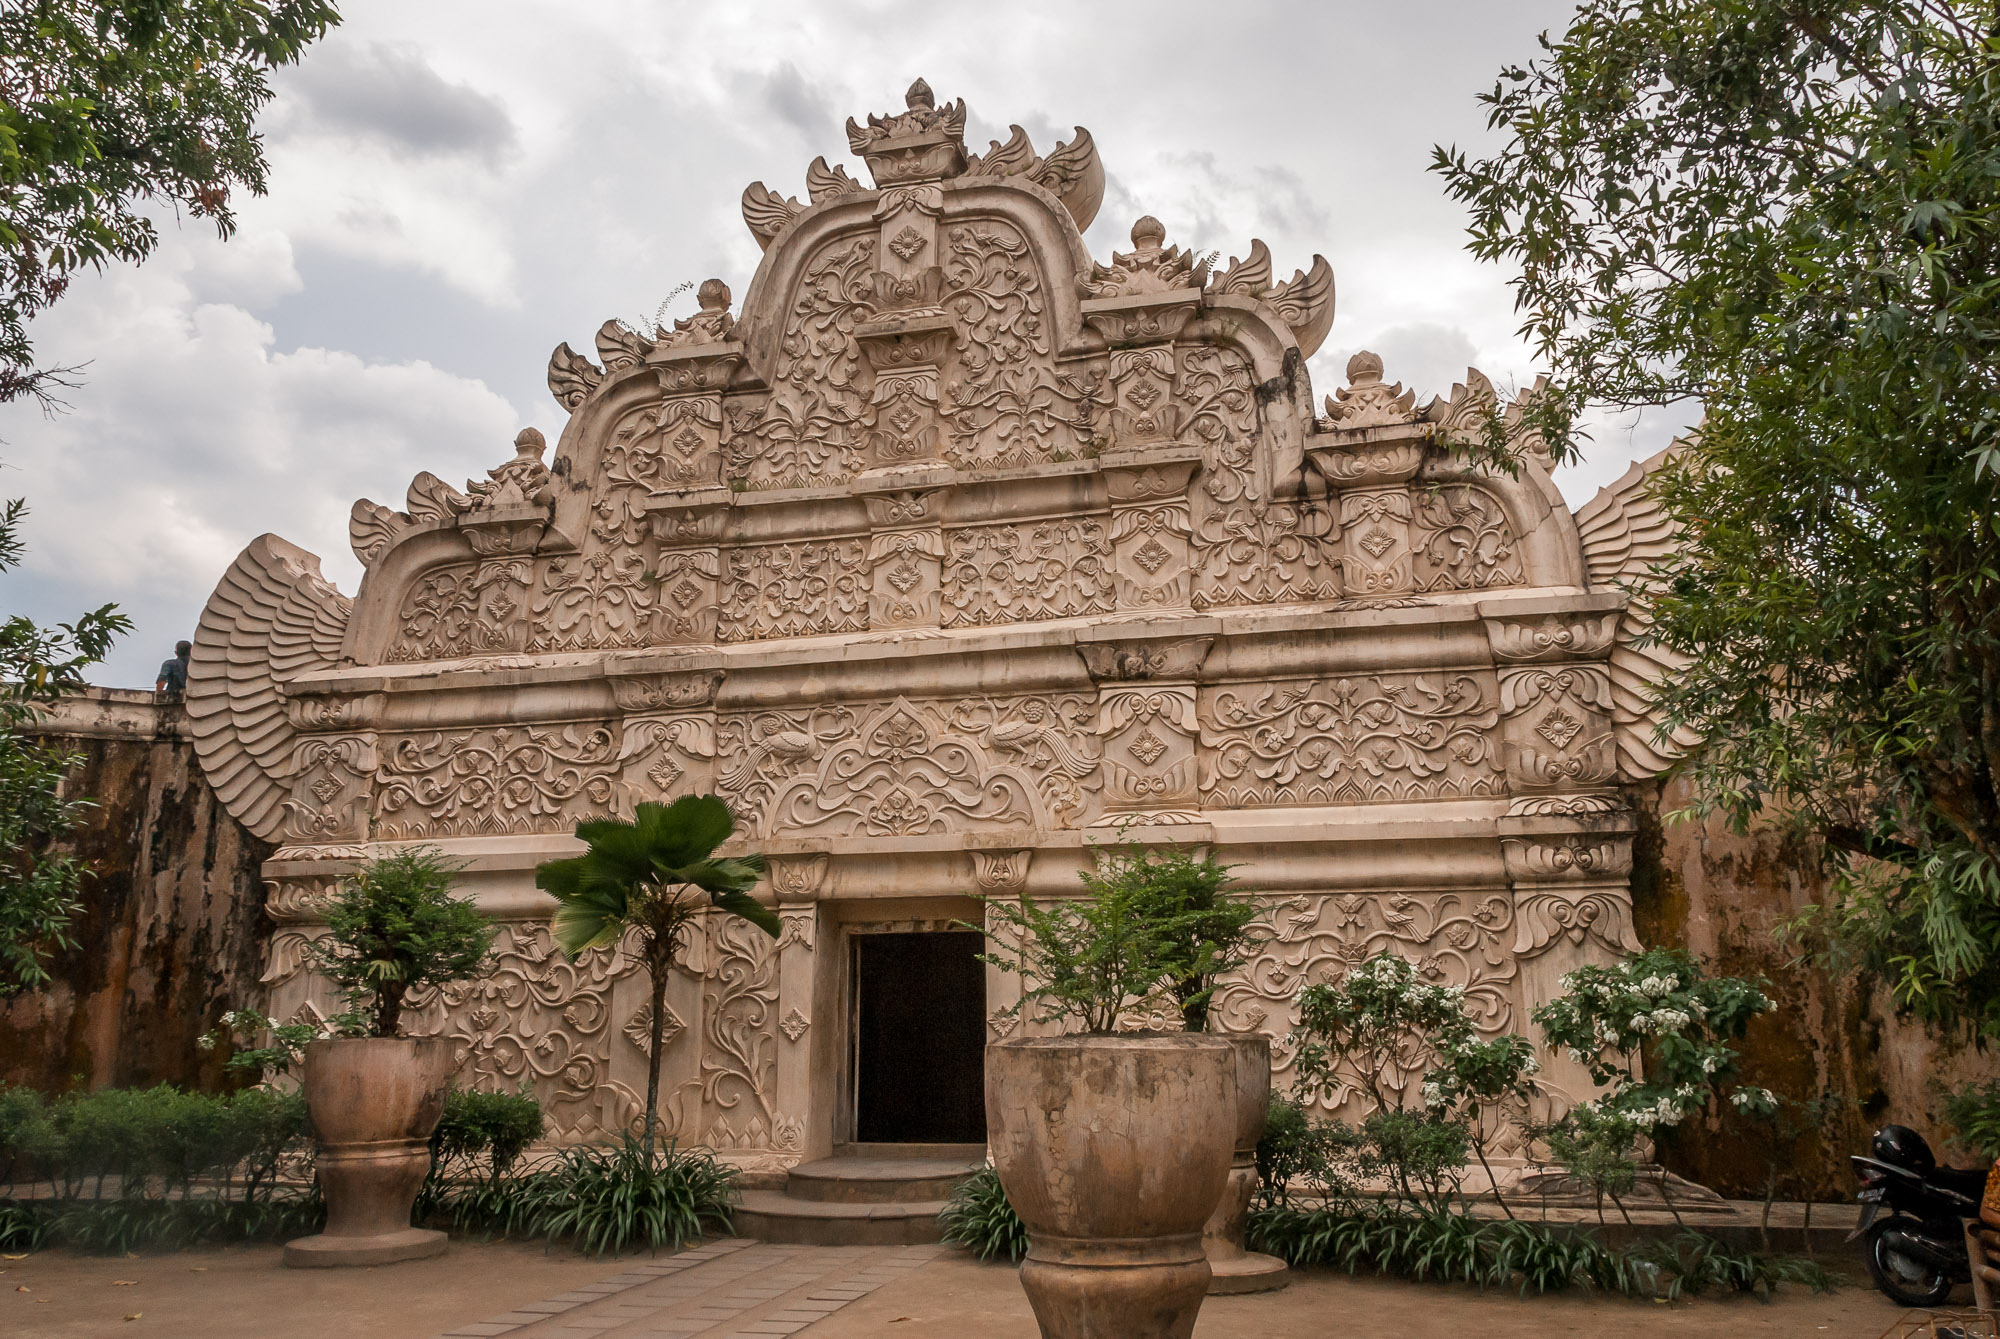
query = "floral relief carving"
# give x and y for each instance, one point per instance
(1547, 916)
(809, 430)
(1461, 541)
(1455, 939)
(1350, 741)
(330, 779)
(1559, 725)
(904, 772)
(793, 590)
(601, 600)
(1009, 407)
(496, 779)
(539, 1018)
(664, 756)
(739, 1047)
(1249, 548)
(462, 610)
(759, 752)
(1024, 573)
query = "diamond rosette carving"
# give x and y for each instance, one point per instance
(1559, 727)
(907, 243)
(794, 1025)
(1152, 555)
(638, 1028)
(1376, 541)
(1147, 748)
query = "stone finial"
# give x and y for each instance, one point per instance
(1150, 267)
(522, 481)
(924, 142)
(711, 325)
(1368, 401)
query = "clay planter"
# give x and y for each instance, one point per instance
(1238, 1270)
(1114, 1151)
(373, 1102)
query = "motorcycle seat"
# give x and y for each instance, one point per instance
(1967, 1181)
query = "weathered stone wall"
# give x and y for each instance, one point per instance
(1725, 898)
(173, 930)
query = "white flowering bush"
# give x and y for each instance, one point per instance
(1374, 1030)
(1657, 1035)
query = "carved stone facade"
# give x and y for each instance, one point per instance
(951, 554)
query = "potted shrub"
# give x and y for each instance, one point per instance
(373, 1096)
(1212, 931)
(1114, 1146)
(653, 878)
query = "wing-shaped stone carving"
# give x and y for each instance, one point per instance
(1072, 173)
(272, 618)
(1304, 302)
(572, 376)
(371, 528)
(823, 183)
(767, 213)
(1627, 536)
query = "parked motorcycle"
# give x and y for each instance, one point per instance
(1916, 1253)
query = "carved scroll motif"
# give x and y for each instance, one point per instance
(809, 431)
(462, 610)
(793, 590)
(605, 599)
(739, 1045)
(1009, 406)
(1249, 548)
(904, 772)
(1461, 540)
(496, 779)
(1350, 741)
(537, 1017)
(1024, 573)
(1456, 939)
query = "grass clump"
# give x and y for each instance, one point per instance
(978, 1217)
(610, 1198)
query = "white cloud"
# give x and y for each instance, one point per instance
(193, 434)
(457, 185)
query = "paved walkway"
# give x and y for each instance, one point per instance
(727, 1289)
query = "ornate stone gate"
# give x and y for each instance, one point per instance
(953, 555)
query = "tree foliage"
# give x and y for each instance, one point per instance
(39, 884)
(1788, 211)
(396, 926)
(653, 878)
(107, 106)
(1151, 927)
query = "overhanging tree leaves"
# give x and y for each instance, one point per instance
(654, 876)
(1786, 211)
(105, 106)
(39, 885)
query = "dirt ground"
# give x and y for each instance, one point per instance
(245, 1293)
(957, 1298)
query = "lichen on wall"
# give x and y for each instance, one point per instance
(1726, 898)
(172, 931)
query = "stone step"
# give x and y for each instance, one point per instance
(877, 1180)
(769, 1216)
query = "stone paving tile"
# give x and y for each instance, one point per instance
(738, 1288)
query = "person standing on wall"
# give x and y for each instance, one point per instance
(173, 681)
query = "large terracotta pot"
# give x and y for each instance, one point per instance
(1236, 1269)
(1114, 1150)
(373, 1102)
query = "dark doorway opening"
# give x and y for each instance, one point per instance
(919, 1039)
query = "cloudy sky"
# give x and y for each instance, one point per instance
(456, 187)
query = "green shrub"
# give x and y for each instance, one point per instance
(1533, 1257)
(1972, 1111)
(978, 1216)
(149, 1167)
(608, 1198)
(477, 1142)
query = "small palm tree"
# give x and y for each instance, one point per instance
(654, 875)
